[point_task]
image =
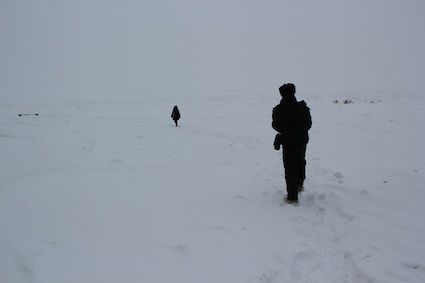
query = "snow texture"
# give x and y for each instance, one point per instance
(114, 192)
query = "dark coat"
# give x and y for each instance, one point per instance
(292, 120)
(175, 114)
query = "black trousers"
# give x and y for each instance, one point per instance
(294, 164)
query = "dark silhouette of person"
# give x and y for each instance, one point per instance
(175, 114)
(292, 120)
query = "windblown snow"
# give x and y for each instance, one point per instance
(114, 192)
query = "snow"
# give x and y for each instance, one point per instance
(114, 192)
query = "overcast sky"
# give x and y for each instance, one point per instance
(70, 50)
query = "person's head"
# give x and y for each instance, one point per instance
(287, 91)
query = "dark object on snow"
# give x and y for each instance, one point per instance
(292, 120)
(175, 114)
(36, 114)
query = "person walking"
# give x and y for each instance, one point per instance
(175, 114)
(292, 120)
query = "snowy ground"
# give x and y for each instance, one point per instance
(114, 192)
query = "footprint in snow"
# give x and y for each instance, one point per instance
(414, 266)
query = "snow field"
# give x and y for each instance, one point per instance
(114, 192)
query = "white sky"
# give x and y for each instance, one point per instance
(68, 50)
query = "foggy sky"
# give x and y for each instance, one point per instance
(63, 50)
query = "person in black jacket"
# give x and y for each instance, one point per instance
(292, 120)
(175, 114)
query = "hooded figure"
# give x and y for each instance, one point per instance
(292, 120)
(175, 114)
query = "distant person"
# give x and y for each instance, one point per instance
(175, 114)
(292, 120)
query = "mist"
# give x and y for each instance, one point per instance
(130, 50)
